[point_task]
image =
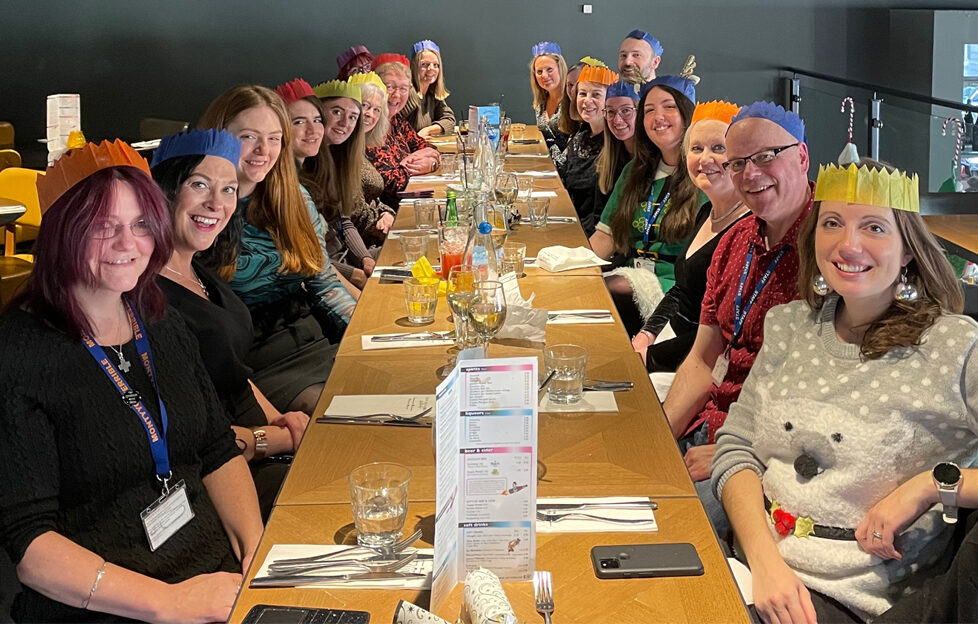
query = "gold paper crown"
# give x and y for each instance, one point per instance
(717, 109)
(337, 88)
(600, 75)
(872, 187)
(368, 78)
(590, 61)
(77, 164)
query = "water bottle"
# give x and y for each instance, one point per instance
(481, 252)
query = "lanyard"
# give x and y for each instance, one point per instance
(650, 217)
(739, 316)
(157, 442)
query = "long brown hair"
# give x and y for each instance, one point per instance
(277, 205)
(903, 324)
(332, 176)
(611, 159)
(439, 87)
(569, 120)
(680, 218)
(540, 94)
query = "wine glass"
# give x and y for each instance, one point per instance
(506, 189)
(487, 311)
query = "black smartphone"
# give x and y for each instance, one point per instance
(645, 561)
(269, 614)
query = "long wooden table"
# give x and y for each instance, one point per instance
(628, 452)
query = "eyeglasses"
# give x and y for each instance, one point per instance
(105, 230)
(760, 159)
(393, 89)
(625, 112)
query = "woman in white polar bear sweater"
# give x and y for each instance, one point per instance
(825, 465)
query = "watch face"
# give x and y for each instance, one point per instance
(946, 473)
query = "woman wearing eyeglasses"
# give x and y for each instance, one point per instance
(426, 109)
(372, 217)
(620, 106)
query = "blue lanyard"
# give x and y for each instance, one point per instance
(157, 442)
(650, 217)
(739, 316)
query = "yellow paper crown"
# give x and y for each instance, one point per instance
(592, 62)
(337, 88)
(77, 164)
(368, 78)
(717, 109)
(600, 75)
(872, 187)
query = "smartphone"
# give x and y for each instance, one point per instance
(645, 561)
(268, 614)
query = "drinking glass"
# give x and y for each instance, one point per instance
(568, 363)
(516, 131)
(414, 244)
(506, 189)
(379, 497)
(487, 311)
(524, 187)
(451, 246)
(448, 166)
(421, 297)
(505, 126)
(538, 207)
(425, 211)
(514, 257)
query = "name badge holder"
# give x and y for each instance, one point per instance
(646, 259)
(171, 511)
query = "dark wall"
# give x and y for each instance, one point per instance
(137, 59)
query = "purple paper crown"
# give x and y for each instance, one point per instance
(788, 120)
(351, 53)
(622, 89)
(425, 44)
(545, 47)
(647, 38)
(683, 85)
(199, 143)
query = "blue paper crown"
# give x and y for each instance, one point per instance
(545, 47)
(788, 120)
(622, 89)
(199, 143)
(425, 44)
(683, 85)
(647, 38)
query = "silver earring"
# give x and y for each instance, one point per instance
(905, 291)
(820, 286)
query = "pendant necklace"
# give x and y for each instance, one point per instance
(193, 275)
(124, 364)
(721, 218)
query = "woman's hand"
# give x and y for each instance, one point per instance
(203, 598)
(877, 530)
(295, 423)
(641, 343)
(698, 459)
(359, 278)
(368, 265)
(779, 597)
(428, 131)
(385, 222)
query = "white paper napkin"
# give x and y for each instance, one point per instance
(543, 194)
(743, 578)
(579, 320)
(369, 345)
(589, 525)
(362, 404)
(592, 402)
(408, 613)
(290, 551)
(435, 178)
(485, 599)
(559, 258)
(397, 233)
(537, 174)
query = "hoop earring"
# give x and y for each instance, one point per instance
(905, 291)
(820, 286)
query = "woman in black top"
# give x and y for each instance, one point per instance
(196, 170)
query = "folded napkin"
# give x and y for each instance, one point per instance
(567, 317)
(407, 613)
(485, 599)
(290, 551)
(522, 320)
(579, 524)
(435, 178)
(592, 402)
(397, 233)
(537, 174)
(410, 201)
(559, 258)
(362, 404)
(543, 194)
(410, 339)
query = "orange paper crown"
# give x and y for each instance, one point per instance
(717, 109)
(294, 90)
(600, 75)
(76, 165)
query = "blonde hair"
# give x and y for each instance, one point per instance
(277, 205)
(394, 68)
(378, 134)
(540, 95)
(440, 91)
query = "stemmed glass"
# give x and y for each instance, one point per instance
(462, 279)
(487, 311)
(506, 189)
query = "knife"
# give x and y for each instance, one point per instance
(610, 505)
(370, 421)
(308, 579)
(420, 337)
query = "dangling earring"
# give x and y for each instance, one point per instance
(820, 286)
(905, 291)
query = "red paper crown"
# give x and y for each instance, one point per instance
(77, 164)
(390, 57)
(294, 90)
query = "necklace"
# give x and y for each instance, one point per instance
(124, 364)
(721, 218)
(192, 275)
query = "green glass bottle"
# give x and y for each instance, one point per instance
(451, 211)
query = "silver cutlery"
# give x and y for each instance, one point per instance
(580, 515)
(590, 315)
(607, 505)
(418, 336)
(301, 579)
(386, 551)
(389, 422)
(371, 564)
(543, 593)
(597, 385)
(423, 412)
(546, 382)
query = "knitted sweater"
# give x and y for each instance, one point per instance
(870, 426)
(422, 111)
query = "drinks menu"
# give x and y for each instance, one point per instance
(485, 454)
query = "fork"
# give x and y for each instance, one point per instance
(415, 336)
(543, 593)
(557, 517)
(593, 315)
(387, 551)
(385, 415)
(370, 565)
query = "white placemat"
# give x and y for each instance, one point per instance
(590, 525)
(592, 402)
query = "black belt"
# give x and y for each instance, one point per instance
(821, 530)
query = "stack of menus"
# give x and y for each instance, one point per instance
(485, 453)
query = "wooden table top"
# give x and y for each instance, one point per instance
(579, 596)
(960, 230)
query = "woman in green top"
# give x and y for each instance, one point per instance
(659, 199)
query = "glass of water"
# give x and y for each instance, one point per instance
(414, 244)
(538, 207)
(379, 496)
(421, 297)
(568, 364)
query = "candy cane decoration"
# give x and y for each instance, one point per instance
(958, 141)
(852, 113)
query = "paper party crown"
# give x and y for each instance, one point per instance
(337, 88)
(592, 62)
(390, 57)
(679, 83)
(716, 109)
(622, 89)
(647, 38)
(545, 47)
(600, 75)
(209, 142)
(77, 164)
(869, 186)
(294, 90)
(368, 78)
(425, 44)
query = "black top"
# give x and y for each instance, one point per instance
(680, 307)
(580, 176)
(224, 333)
(76, 460)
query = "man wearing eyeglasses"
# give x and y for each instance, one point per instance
(754, 268)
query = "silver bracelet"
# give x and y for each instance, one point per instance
(98, 577)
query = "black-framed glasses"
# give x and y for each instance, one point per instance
(105, 230)
(625, 112)
(761, 159)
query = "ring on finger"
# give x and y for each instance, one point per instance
(877, 535)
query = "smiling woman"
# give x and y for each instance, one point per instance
(426, 109)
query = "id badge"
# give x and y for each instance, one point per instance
(720, 368)
(167, 515)
(644, 263)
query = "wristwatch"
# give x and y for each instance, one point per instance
(947, 478)
(261, 443)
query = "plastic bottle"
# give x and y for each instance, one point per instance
(480, 252)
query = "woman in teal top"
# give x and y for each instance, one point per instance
(647, 239)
